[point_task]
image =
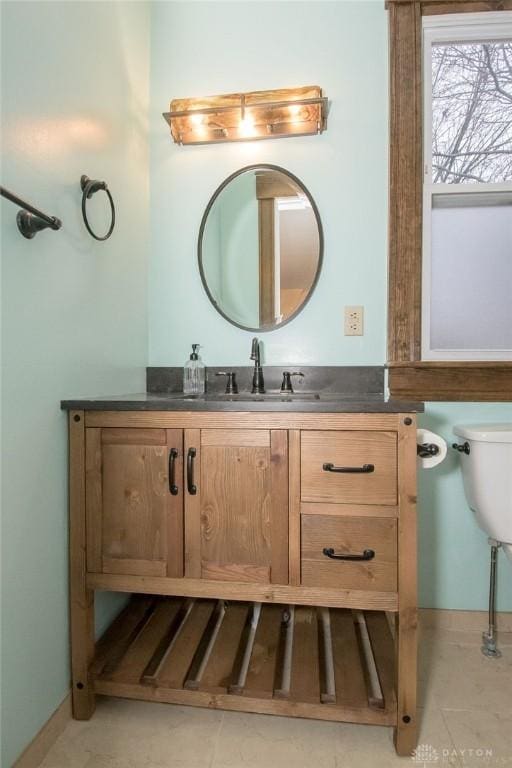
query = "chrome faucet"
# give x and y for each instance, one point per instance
(258, 383)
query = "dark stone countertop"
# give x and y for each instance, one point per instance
(303, 402)
(320, 389)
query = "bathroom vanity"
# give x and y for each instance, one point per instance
(269, 548)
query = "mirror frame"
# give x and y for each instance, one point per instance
(298, 182)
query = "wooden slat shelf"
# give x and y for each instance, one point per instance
(192, 651)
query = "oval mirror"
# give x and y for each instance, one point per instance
(260, 247)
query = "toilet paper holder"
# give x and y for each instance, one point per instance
(424, 450)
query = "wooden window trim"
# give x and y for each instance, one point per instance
(409, 376)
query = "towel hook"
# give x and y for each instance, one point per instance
(89, 188)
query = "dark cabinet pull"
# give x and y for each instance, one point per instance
(192, 489)
(364, 469)
(368, 554)
(173, 455)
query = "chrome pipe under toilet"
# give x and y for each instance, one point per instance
(489, 638)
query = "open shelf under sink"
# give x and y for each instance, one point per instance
(199, 652)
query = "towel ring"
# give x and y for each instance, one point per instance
(89, 188)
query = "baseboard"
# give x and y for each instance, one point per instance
(43, 741)
(465, 621)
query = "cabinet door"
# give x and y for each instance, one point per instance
(236, 505)
(134, 509)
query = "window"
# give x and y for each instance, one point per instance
(467, 187)
(433, 362)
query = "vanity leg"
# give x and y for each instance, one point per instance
(406, 731)
(81, 598)
(407, 617)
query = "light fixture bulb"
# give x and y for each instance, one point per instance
(295, 112)
(247, 125)
(196, 120)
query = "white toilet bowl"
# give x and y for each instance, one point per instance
(487, 474)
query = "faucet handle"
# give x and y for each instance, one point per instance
(231, 385)
(286, 385)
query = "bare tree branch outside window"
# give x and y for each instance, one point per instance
(472, 112)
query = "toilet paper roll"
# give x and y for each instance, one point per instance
(425, 436)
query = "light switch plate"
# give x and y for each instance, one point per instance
(354, 317)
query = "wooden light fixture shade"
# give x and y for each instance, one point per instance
(248, 116)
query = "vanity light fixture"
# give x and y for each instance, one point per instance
(248, 116)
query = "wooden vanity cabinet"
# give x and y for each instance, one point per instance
(205, 516)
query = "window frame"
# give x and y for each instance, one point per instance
(460, 28)
(410, 377)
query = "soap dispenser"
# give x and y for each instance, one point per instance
(193, 374)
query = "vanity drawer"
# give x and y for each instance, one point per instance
(349, 535)
(325, 453)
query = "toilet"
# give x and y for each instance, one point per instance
(486, 465)
(486, 462)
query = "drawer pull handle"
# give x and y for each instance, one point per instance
(366, 468)
(192, 489)
(173, 455)
(368, 554)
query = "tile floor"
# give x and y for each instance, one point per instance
(465, 719)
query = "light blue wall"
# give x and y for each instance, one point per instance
(74, 100)
(215, 47)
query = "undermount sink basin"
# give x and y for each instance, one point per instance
(247, 397)
(179, 396)
(270, 397)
